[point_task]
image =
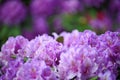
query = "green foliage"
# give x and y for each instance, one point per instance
(78, 22)
(14, 31)
(13, 56)
(94, 78)
(92, 12)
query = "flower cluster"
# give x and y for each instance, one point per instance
(68, 56)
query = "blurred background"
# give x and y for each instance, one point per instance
(33, 17)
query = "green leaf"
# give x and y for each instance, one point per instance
(4, 31)
(60, 39)
(14, 31)
(83, 27)
(25, 59)
(13, 56)
(94, 78)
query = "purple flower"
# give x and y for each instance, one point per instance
(34, 70)
(45, 48)
(58, 25)
(88, 68)
(112, 40)
(12, 46)
(106, 76)
(30, 70)
(97, 24)
(91, 3)
(28, 34)
(81, 56)
(102, 22)
(79, 64)
(69, 38)
(41, 7)
(11, 69)
(78, 38)
(12, 12)
(40, 26)
(118, 30)
(114, 6)
(118, 17)
(70, 6)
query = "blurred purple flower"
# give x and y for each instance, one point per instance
(114, 6)
(92, 3)
(58, 25)
(99, 25)
(41, 7)
(70, 6)
(40, 26)
(118, 17)
(28, 34)
(13, 12)
(101, 22)
(118, 30)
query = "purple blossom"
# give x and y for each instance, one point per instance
(114, 6)
(118, 17)
(33, 70)
(12, 46)
(111, 41)
(101, 23)
(70, 6)
(13, 12)
(82, 55)
(78, 65)
(28, 34)
(78, 38)
(91, 3)
(11, 68)
(45, 48)
(58, 25)
(40, 26)
(118, 30)
(41, 7)
(106, 76)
